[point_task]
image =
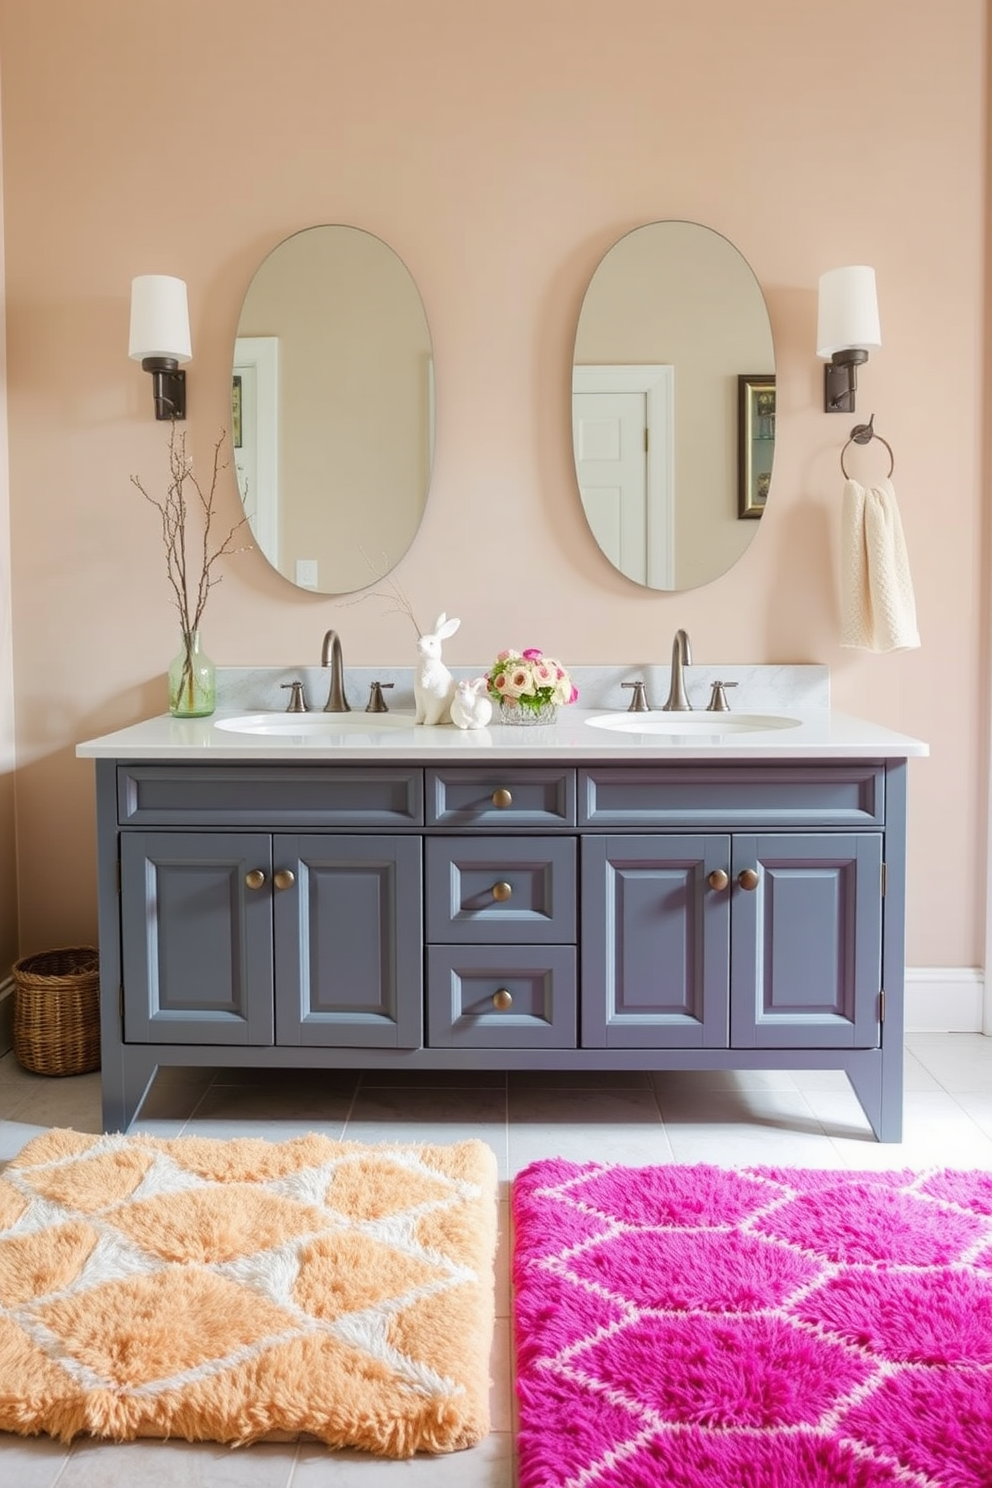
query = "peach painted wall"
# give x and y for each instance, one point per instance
(8, 755)
(500, 147)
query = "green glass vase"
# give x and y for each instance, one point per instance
(192, 681)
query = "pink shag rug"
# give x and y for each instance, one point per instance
(709, 1327)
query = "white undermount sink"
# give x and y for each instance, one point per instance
(695, 723)
(312, 725)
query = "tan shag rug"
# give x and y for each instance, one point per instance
(243, 1290)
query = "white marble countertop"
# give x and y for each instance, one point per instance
(819, 734)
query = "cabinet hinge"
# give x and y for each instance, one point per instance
(881, 1006)
(117, 873)
(120, 1002)
(885, 878)
(647, 438)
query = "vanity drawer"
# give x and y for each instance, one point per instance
(502, 797)
(727, 797)
(269, 796)
(501, 888)
(502, 997)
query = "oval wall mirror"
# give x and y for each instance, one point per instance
(673, 405)
(333, 408)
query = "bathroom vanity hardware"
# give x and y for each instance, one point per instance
(638, 702)
(297, 699)
(331, 655)
(570, 914)
(376, 702)
(718, 697)
(677, 700)
(864, 434)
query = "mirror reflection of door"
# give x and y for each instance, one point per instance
(255, 436)
(622, 424)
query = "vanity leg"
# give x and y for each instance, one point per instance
(877, 1074)
(125, 1080)
(876, 1077)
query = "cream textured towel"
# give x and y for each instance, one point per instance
(878, 610)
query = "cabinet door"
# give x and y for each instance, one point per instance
(348, 939)
(196, 939)
(655, 942)
(807, 941)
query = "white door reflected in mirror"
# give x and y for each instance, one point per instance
(255, 437)
(622, 426)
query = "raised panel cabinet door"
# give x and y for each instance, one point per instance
(196, 937)
(807, 941)
(655, 942)
(348, 940)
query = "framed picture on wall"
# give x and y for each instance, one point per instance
(756, 441)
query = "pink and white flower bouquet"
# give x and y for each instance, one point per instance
(529, 681)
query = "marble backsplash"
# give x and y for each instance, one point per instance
(768, 688)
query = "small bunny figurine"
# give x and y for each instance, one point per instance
(470, 707)
(433, 684)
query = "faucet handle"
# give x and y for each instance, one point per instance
(718, 698)
(639, 702)
(376, 702)
(297, 700)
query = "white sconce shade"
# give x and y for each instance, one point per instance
(847, 329)
(159, 339)
(159, 318)
(848, 311)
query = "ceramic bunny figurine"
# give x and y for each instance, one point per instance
(433, 684)
(470, 707)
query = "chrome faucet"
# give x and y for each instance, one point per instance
(330, 655)
(677, 701)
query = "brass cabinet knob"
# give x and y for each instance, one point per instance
(254, 878)
(718, 879)
(748, 879)
(502, 892)
(284, 878)
(502, 798)
(502, 999)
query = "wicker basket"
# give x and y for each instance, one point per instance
(57, 1011)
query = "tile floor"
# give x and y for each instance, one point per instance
(806, 1119)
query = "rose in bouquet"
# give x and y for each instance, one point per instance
(529, 680)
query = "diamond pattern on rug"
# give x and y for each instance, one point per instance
(242, 1290)
(755, 1326)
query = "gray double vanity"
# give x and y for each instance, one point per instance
(615, 891)
(620, 890)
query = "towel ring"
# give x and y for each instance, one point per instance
(864, 434)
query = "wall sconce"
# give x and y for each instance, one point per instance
(847, 329)
(160, 339)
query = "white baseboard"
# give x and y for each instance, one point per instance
(6, 1015)
(944, 999)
